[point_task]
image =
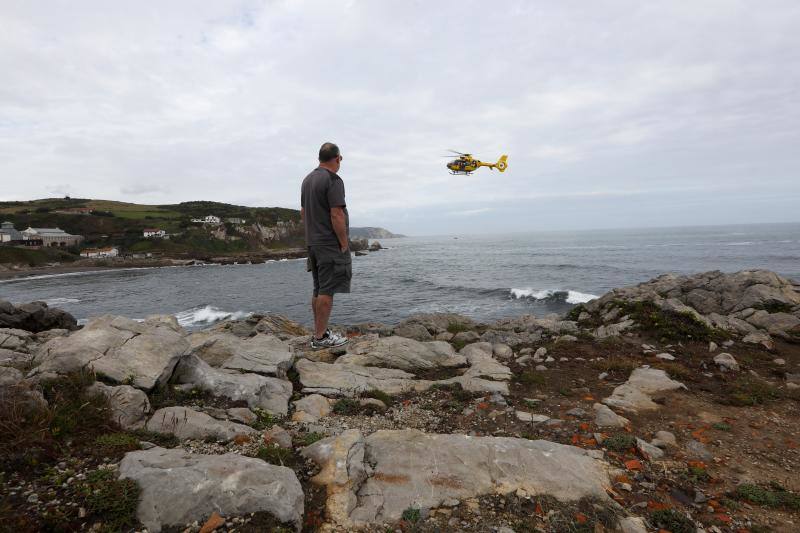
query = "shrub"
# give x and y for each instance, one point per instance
(531, 377)
(665, 324)
(113, 501)
(777, 496)
(411, 515)
(457, 327)
(126, 441)
(379, 395)
(620, 442)
(346, 406)
(672, 521)
(276, 455)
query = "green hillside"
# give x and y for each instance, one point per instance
(121, 224)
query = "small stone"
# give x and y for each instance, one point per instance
(278, 435)
(712, 347)
(541, 368)
(33, 498)
(602, 375)
(626, 487)
(648, 450)
(576, 412)
(213, 522)
(666, 437)
(540, 352)
(726, 362)
(81, 512)
(665, 356)
(549, 359)
(605, 417)
(779, 361)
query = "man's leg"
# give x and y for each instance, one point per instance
(314, 312)
(322, 312)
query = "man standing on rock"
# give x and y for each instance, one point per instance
(324, 214)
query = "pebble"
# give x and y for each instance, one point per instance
(602, 375)
(549, 359)
(541, 367)
(779, 361)
(665, 356)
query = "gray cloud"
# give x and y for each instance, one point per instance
(602, 107)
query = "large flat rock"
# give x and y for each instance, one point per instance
(402, 353)
(179, 487)
(262, 354)
(118, 349)
(341, 379)
(268, 393)
(187, 423)
(374, 479)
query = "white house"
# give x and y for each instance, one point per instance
(109, 251)
(154, 232)
(208, 219)
(236, 220)
(51, 236)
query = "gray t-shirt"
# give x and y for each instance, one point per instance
(321, 190)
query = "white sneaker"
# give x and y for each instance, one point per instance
(329, 340)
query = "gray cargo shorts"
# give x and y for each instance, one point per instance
(330, 268)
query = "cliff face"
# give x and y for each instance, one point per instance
(373, 233)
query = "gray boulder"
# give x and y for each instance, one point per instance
(261, 354)
(402, 353)
(781, 324)
(129, 405)
(726, 362)
(413, 330)
(34, 316)
(311, 408)
(374, 479)
(118, 349)
(187, 423)
(437, 322)
(605, 417)
(270, 394)
(178, 487)
(636, 394)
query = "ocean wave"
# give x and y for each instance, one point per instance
(207, 315)
(570, 297)
(59, 301)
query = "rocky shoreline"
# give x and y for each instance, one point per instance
(672, 405)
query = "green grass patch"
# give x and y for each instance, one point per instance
(276, 455)
(264, 420)
(310, 438)
(749, 391)
(346, 406)
(124, 441)
(411, 515)
(624, 365)
(774, 496)
(667, 325)
(620, 442)
(721, 426)
(575, 312)
(110, 500)
(34, 258)
(673, 521)
(531, 377)
(379, 395)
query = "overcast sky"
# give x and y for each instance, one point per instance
(613, 113)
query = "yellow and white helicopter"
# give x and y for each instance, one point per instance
(466, 164)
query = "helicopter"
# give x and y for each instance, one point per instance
(466, 164)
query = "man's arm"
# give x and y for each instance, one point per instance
(339, 226)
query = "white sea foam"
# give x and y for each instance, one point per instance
(60, 301)
(571, 297)
(203, 316)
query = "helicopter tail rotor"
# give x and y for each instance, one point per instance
(502, 163)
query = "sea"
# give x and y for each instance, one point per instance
(482, 276)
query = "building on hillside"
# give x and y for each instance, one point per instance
(54, 237)
(235, 220)
(8, 233)
(208, 219)
(109, 251)
(154, 232)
